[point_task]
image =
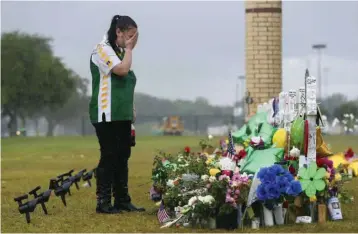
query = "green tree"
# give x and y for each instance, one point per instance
(31, 77)
(350, 107)
(73, 107)
(329, 104)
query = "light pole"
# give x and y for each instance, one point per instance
(319, 48)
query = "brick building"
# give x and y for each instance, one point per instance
(263, 50)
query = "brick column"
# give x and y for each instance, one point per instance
(263, 50)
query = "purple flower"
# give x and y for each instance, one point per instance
(294, 188)
(261, 192)
(273, 191)
(282, 183)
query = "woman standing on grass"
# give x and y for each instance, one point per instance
(112, 112)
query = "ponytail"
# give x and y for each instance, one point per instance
(112, 32)
(121, 22)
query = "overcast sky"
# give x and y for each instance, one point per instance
(190, 49)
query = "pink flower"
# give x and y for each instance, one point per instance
(237, 192)
(229, 199)
(229, 191)
(208, 186)
(236, 177)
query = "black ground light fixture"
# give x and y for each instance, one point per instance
(88, 176)
(42, 197)
(27, 207)
(77, 178)
(60, 190)
(66, 178)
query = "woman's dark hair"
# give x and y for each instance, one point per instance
(121, 22)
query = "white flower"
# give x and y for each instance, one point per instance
(179, 160)
(208, 199)
(192, 201)
(205, 177)
(212, 179)
(210, 137)
(170, 183)
(295, 152)
(256, 139)
(201, 198)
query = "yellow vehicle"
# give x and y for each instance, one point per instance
(172, 125)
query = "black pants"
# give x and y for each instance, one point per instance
(115, 143)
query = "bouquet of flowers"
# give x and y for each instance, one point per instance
(277, 185)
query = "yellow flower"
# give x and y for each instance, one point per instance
(328, 174)
(296, 178)
(214, 171)
(227, 141)
(337, 177)
(209, 161)
(313, 199)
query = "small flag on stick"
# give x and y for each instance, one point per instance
(162, 214)
(231, 149)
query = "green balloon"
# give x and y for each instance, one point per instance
(240, 135)
(266, 132)
(255, 122)
(262, 158)
(297, 133)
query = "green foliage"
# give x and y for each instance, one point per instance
(33, 79)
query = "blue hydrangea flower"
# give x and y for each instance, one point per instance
(294, 188)
(288, 175)
(273, 191)
(261, 192)
(262, 173)
(282, 183)
(277, 169)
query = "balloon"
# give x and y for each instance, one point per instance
(338, 159)
(354, 167)
(254, 123)
(257, 119)
(280, 138)
(321, 146)
(266, 132)
(262, 158)
(240, 135)
(297, 133)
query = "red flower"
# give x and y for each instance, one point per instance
(187, 150)
(349, 154)
(321, 162)
(292, 170)
(242, 154)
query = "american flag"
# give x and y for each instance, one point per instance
(230, 148)
(162, 214)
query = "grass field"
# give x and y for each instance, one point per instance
(29, 162)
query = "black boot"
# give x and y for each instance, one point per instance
(122, 200)
(103, 192)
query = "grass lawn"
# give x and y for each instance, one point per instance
(29, 162)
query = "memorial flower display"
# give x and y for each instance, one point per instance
(266, 163)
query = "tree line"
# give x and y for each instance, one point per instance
(35, 83)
